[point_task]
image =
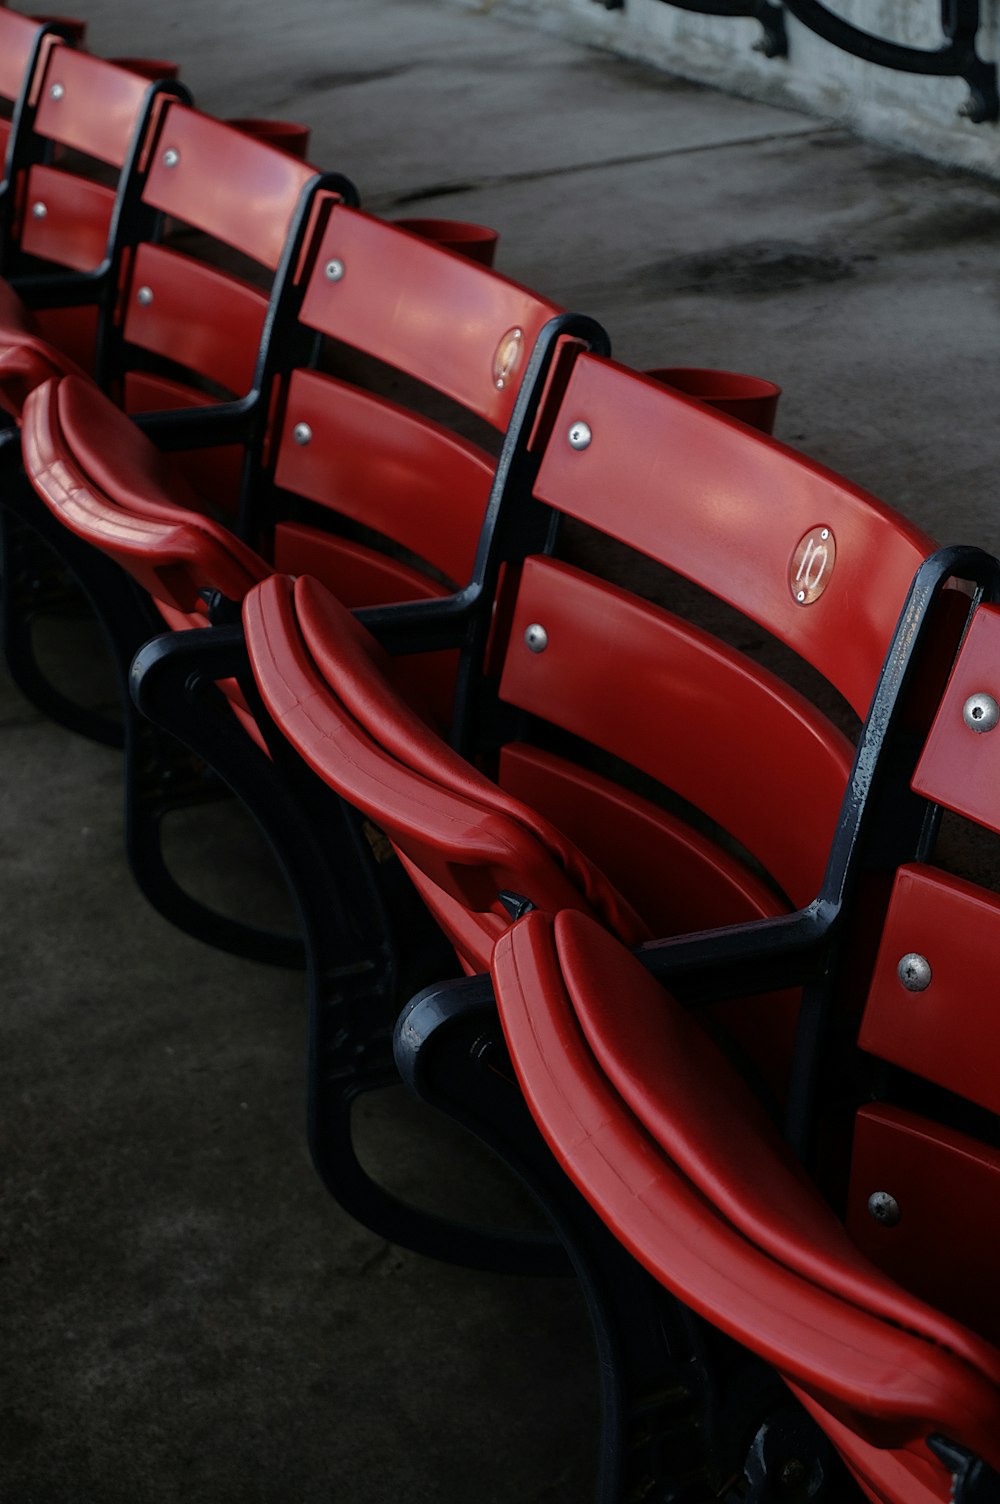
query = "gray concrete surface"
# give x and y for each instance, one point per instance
(185, 1315)
(912, 111)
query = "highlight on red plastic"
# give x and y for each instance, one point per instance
(752, 399)
(286, 135)
(477, 242)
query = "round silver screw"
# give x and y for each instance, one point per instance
(914, 971)
(302, 433)
(981, 712)
(884, 1208)
(536, 637)
(144, 296)
(800, 595)
(334, 270)
(57, 91)
(39, 210)
(171, 157)
(580, 435)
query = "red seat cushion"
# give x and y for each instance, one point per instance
(663, 1139)
(107, 483)
(330, 688)
(27, 358)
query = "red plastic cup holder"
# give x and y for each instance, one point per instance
(478, 242)
(153, 68)
(287, 135)
(752, 399)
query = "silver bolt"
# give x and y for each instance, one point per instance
(302, 433)
(825, 534)
(884, 1208)
(334, 270)
(914, 971)
(39, 210)
(171, 157)
(580, 435)
(981, 712)
(144, 296)
(57, 91)
(536, 637)
(800, 595)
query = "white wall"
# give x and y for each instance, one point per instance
(915, 112)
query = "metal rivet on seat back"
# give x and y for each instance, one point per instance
(981, 712)
(302, 433)
(536, 637)
(579, 435)
(39, 210)
(335, 270)
(145, 296)
(914, 971)
(57, 91)
(884, 1208)
(171, 157)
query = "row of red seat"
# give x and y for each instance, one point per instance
(451, 602)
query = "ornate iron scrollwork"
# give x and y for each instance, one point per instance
(774, 42)
(957, 58)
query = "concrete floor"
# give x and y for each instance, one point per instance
(185, 1314)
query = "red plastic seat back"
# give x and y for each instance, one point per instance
(450, 323)
(820, 564)
(240, 192)
(685, 709)
(446, 322)
(90, 105)
(391, 470)
(930, 1011)
(97, 110)
(19, 38)
(182, 300)
(225, 183)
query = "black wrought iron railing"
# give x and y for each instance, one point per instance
(957, 56)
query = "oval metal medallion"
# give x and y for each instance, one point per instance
(812, 564)
(507, 357)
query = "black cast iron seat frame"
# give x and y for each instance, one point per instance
(361, 961)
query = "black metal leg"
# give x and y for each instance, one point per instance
(37, 560)
(366, 938)
(163, 776)
(44, 567)
(688, 1416)
(450, 1051)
